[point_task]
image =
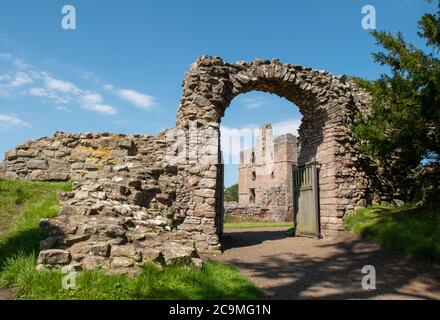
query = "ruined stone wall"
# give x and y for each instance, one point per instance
(120, 213)
(73, 156)
(252, 212)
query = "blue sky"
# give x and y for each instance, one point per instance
(122, 69)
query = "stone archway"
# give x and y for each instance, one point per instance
(328, 105)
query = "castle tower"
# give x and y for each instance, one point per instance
(265, 173)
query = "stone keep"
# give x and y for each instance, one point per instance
(265, 174)
(132, 203)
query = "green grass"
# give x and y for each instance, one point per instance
(216, 281)
(23, 204)
(413, 231)
(232, 222)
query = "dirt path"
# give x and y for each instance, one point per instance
(5, 294)
(302, 268)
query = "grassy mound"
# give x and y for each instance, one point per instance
(413, 231)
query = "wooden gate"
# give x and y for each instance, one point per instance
(306, 195)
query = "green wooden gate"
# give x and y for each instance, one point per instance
(306, 188)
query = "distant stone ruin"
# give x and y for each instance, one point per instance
(137, 198)
(265, 177)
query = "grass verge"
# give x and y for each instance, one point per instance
(216, 281)
(232, 222)
(23, 204)
(413, 231)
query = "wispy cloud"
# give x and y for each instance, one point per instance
(20, 79)
(9, 122)
(4, 77)
(60, 85)
(93, 101)
(49, 88)
(25, 78)
(63, 108)
(102, 108)
(140, 100)
(254, 103)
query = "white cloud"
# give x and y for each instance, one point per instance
(5, 56)
(21, 64)
(8, 122)
(108, 87)
(61, 92)
(21, 79)
(287, 126)
(4, 77)
(54, 96)
(62, 108)
(61, 85)
(92, 98)
(39, 92)
(93, 101)
(102, 108)
(253, 103)
(136, 98)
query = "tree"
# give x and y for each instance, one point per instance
(231, 193)
(403, 128)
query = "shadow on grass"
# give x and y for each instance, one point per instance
(21, 243)
(413, 231)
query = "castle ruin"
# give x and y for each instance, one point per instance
(132, 203)
(265, 174)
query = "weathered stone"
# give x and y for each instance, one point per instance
(64, 196)
(151, 255)
(122, 262)
(206, 193)
(102, 250)
(54, 257)
(37, 164)
(27, 153)
(175, 253)
(128, 251)
(11, 155)
(93, 262)
(197, 263)
(208, 183)
(156, 222)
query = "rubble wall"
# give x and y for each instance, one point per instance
(121, 212)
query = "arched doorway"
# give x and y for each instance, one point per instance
(328, 105)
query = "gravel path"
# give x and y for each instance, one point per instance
(301, 268)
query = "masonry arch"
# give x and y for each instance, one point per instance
(328, 105)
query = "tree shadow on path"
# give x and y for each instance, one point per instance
(297, 268)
